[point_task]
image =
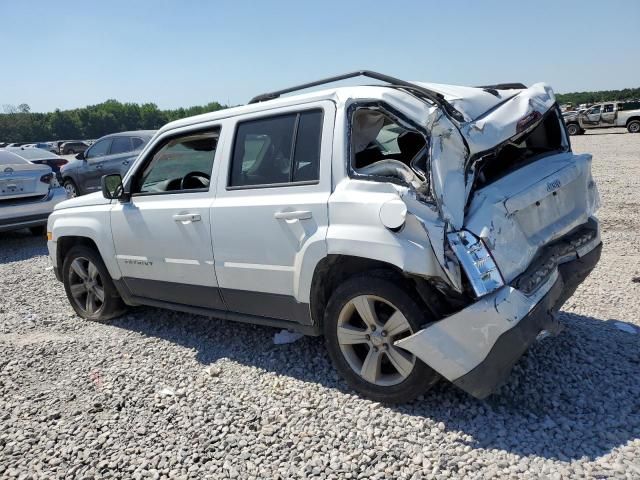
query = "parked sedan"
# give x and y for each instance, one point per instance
(41, 157)
(110, 154)
(70, 148)
(28, 193)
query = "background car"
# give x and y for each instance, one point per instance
(28, 193)
(41, 157)
(110, 154)
(70, 148)
(46, 146)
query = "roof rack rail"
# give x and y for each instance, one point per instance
(504, 86)
(417, 90)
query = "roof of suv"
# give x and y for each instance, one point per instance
(133, 133)
(470, 101)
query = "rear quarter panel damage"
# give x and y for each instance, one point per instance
(357, 230)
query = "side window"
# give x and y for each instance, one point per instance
(594, 110)
(377, 136)
(136, 142)
(306, 156)
(99, 149)
(608, 108)
(277, 150)
(182, 164)
(120, 145)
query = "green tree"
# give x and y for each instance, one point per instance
(93, 121)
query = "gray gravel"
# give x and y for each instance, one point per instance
(158, 394)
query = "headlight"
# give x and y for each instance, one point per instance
(476, 261)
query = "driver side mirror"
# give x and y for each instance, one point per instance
(112, 187)
(80, 156)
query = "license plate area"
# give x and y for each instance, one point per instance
(11, 187)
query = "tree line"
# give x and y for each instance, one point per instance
(19, 124)
(577, 98)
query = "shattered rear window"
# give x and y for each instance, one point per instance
(544, 139)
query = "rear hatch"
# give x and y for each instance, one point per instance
(516, 184)
(531, 207)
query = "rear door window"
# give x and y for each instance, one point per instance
(278, 150)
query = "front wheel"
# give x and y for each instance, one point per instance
(574, 129)
(634, 126)
(364, 318)
(71, 188)
(88, 285)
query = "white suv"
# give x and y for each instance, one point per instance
(425, 230)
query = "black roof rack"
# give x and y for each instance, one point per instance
(417, 90)
(504, 86)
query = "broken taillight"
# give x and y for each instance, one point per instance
(482, 271)
(528, 120)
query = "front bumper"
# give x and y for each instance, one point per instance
(477, 347)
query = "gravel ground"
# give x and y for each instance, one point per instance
(157, 394)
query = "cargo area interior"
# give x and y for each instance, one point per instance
(545, 138)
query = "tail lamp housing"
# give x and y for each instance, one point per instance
(476, 261)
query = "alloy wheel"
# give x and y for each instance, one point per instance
(367, 327)
(86, 286)
(71, 190)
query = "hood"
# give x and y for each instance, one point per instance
(83, 201)
(495, 121)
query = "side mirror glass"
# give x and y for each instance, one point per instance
(80, 156)
(112, 186)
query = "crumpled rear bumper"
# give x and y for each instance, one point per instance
(477, 347)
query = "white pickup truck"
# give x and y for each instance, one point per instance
(605, 115)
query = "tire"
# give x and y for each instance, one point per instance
(391, 384)
(37, 231)
(86, 280)
(574, 129)
(633, 126)
(71, 188)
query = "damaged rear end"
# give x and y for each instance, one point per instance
(519, 233)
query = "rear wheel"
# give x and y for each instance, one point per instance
(71, 188)
(633, 126)
(88, 285)
(363, 319)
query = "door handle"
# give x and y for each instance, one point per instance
(98, 167)
(125, 162)
(296, 215)
(187, 217)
